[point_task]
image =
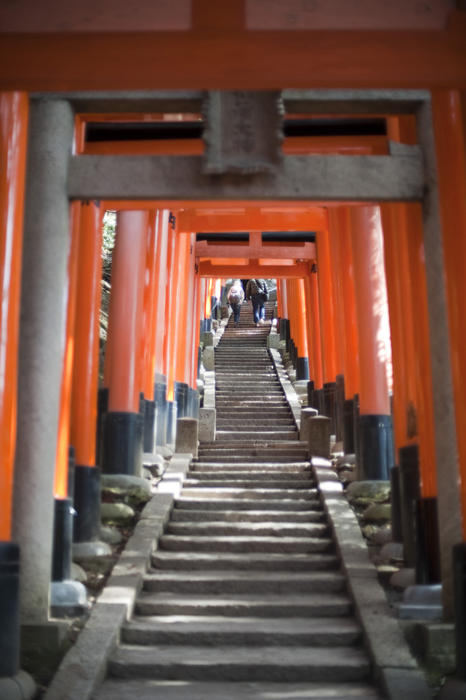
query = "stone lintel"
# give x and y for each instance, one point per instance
(297, 178)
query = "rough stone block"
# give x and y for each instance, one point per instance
(306, 415)
(362, 493)
(208, 358)
(273, 340)
(118, 513)
(377, 513)
(208, 338)
(319, 437)
(187, 436)
(207, 424)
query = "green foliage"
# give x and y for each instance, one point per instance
(108, 243)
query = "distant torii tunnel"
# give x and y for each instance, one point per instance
(359, 232)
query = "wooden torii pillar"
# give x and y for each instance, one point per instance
(13, 148)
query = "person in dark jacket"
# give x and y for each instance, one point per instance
(257, 292)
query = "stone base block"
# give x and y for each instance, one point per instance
(68, 598)
(273, 341)
(187, 436)
(319, 437)
(422, 602)
(208, 358)
(306, 415)
(207, 423)
(86, 550)
(19, 687)
(208, 338)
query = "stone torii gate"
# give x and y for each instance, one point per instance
(232, 169)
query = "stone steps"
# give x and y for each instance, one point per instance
(251, 434)
(273, 504)
(248, 494)
(246, 516)
(149, 689)
(302, 474)
(245, 605)
(245, 599)
(263, 483)
(265, 528)
(244, 582)
(246, 543)
(274, 663)
(313, 561)
(241, 631)
(280, 471)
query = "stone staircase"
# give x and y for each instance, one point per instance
(245, 599)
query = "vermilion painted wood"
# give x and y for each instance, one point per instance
(297, 145)
(64, 417)
(451, 166)
(315, 344)
(264, 251)
(345, 290)
(13, 147)
(372, 310)
(401, 324)
(423, 366)
(249, 217)
(279, 299)
(288, 269)
(220, 52)
(148, 341)
(336, 273)
(167, 340)
(161, 273)
(326, 307)
(191, 318)
(180, 317)
(126, 307)
(171, 320)
(303, 315)
(86, 336)
(197, 327)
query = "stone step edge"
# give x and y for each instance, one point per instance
(392, 665)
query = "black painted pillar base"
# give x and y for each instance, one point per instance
(102, 408)
(199, 361)
(9, 609)
(319, 401)
(375, 447)
(339, 406)
(395, 501)
(459, 588)
(427, 542)
(281, 328)
(214, 308)
(71, 468)
(122, 438)
(181, 398)
(302, 368)
(410, 492)
(348, 427)
(160, 397)
(195, 403)
(86, 524)
(62, 539)
(310, 394)
(149, 426)
(329, 404)
(357, 451)
(171, 422)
